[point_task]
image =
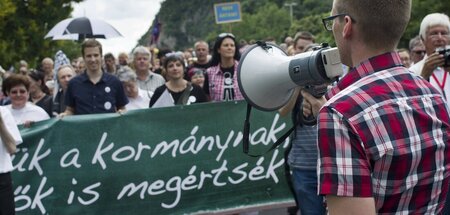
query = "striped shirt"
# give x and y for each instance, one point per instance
(384, 134)
(217, 89)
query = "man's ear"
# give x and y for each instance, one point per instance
(348, 27)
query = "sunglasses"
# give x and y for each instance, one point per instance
(18, 91)
(174, 54)
(222, 35)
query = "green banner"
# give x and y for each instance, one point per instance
(176, 160)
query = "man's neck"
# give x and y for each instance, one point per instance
(362, 54)
(142, 74)
(203, 62)
(94, 76)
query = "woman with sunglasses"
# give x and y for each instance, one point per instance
(17, 87)
(221, 83)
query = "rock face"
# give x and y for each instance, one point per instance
(183, 23)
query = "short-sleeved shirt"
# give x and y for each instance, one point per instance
(29, 112)
(384, 133)
(103, 97)
(196, 95)
(5, 157)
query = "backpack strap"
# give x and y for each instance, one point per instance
(185, 95)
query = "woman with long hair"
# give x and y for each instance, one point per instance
(221, 84)
(39, 92)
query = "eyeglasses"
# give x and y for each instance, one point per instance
(328, 22)
(18, 91)
(222, 35)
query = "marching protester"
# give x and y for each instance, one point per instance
(17, 87)
(64, 74)
(383, 132)
(139, 98)
(176, 91)
(9, 138)
(94, 91)
(435, 34)
(146, 79)
(302, 158)
(221, 84)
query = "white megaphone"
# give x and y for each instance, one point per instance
(267, 76)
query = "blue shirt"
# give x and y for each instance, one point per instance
(106, 96)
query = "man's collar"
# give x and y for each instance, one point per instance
(85, 77)
(374, 64)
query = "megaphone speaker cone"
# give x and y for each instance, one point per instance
(263, 77)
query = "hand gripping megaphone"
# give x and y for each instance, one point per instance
(267, 76)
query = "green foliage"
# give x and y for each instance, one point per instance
(24, 25)
(313, 24)
(185, 22)
(269, 21)
(420, 8)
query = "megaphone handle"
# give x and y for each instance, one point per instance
(316, 92)
(246, 134)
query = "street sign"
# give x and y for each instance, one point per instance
(227, 12)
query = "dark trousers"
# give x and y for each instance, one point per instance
(7, 206)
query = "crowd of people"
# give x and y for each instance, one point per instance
(362, 165)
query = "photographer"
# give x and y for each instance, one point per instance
(434, 32)
(383, 132)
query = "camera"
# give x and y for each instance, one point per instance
(446, 52)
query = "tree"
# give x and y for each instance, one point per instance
(25, 24)
(268, 21)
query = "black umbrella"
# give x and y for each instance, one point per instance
(80, 28)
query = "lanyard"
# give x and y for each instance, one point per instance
(441, 84)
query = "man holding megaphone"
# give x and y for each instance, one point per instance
(383, 132)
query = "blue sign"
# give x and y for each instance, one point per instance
(227, 12)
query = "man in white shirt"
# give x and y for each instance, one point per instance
(434, 32)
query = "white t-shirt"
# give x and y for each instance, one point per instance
(439, 80)
(141, 102)
(30, 112)
(5, 157)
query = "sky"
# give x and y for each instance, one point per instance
(131, 18)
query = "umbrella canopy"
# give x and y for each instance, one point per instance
(80, 28)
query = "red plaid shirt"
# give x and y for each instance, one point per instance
(216, 83)
(384, 133)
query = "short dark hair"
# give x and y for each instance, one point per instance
(173, 58)
(15, 80)
(305, 35)
(91, 43)
(109, 56)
